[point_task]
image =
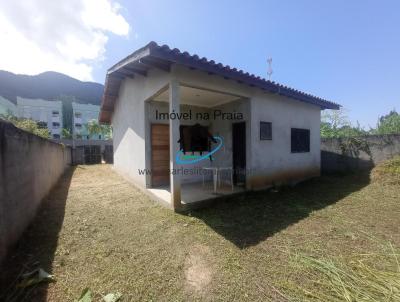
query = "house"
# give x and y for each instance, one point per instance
(47, 112)
(81, 115)
(265, 133)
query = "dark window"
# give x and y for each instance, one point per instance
(78, 114)
(56, 125)
(265, 131)
(42, 125)
(300, 140)
(78, 125)
(55, 113)
(56, 136)
(194, 138)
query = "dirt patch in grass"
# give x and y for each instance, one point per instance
(96, 230)
(199, 270)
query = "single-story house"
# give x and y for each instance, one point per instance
(188, 129)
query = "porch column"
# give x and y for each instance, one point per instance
(175, 179)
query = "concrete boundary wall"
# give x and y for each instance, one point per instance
(354, 154)
(78, 146)
(29, 167)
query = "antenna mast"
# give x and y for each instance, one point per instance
(270, 71)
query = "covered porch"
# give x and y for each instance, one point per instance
(195, 194)
(185, 178)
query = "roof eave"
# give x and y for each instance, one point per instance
(164, 57)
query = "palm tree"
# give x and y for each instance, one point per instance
(94, 128)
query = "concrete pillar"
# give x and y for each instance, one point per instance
(175, 178)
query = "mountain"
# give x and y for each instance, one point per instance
(48, 85)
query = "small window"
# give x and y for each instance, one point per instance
(300, 140)
(100, 136)
(265, 131)
(78, 126)
(78, 114)
(42, 125)
(56, 136)
(56, 125)
(55, 113)
(87, 137)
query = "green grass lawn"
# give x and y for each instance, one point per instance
(335, 238)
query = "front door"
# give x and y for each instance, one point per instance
(159, 155)
(239, 153)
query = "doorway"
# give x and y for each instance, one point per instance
(239, 153)
(159, 155)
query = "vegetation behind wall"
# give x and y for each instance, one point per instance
(28, 125)
(346, 147)
(335, 124)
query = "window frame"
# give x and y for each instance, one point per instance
(269, 138)
(306, 145)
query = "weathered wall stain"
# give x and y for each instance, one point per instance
(292, 176)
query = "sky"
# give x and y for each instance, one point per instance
(344, 51)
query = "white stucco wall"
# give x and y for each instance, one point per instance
(129, 123)
(267, 162)
(272, 160)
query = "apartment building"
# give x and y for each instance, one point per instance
(50, 114)
(47, 112)
(81, 115)
(7, 107)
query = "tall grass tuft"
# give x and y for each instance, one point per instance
(357, 281)
(388, 171)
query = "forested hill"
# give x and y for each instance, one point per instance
(48, 86)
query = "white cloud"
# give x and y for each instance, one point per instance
(65, 36)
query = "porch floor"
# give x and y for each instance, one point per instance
(196, 192)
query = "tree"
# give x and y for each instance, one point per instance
(332, 121)
(335, 123)
(28, 125)
(94, 128)
(388, 124)
(65, 133)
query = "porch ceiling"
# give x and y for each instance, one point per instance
(199, 97)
